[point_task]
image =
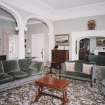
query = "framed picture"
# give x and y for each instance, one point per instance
(62, 39)
(100, 41)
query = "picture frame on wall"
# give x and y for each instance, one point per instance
(62, 39)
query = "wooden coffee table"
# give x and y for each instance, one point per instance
(48, 82)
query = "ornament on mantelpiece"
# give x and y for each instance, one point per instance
(91, 25)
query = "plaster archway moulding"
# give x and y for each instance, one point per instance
(16, 15)
(50, 28)
(42, 19)
(12, 12)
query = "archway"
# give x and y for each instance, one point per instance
(9, 36)
(77, 36)
(48, 24)
(91, 45)
(13, 12)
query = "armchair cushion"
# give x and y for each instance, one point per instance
(29, 66)
(24, 64)
(35, 65)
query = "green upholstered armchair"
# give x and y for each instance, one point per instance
(29, 66)
(36, 66)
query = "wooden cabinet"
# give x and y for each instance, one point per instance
(58, 57)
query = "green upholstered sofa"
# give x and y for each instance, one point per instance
(78, 74)
(14, 73)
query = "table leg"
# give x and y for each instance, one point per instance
(38, 95)
(65, 99)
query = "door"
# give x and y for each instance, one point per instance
(38, 46)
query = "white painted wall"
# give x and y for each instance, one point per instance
(78, 24)
(92, 44)
(77, 28)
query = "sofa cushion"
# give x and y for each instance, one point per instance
(10, 66)
(77, 74)
(70, 66)
(1, 68)
(87, 68)
(18, 74)
(76, 77)
(5, 78)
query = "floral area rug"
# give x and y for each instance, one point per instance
(79, 93)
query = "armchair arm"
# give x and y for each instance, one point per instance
(103, 73)
(94, 73)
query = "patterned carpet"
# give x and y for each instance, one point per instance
(79, 93)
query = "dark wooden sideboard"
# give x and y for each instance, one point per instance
(2, 57)
(58, 57)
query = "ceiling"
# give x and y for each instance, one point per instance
(6, 15)
(60, 9)
(64, 4)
